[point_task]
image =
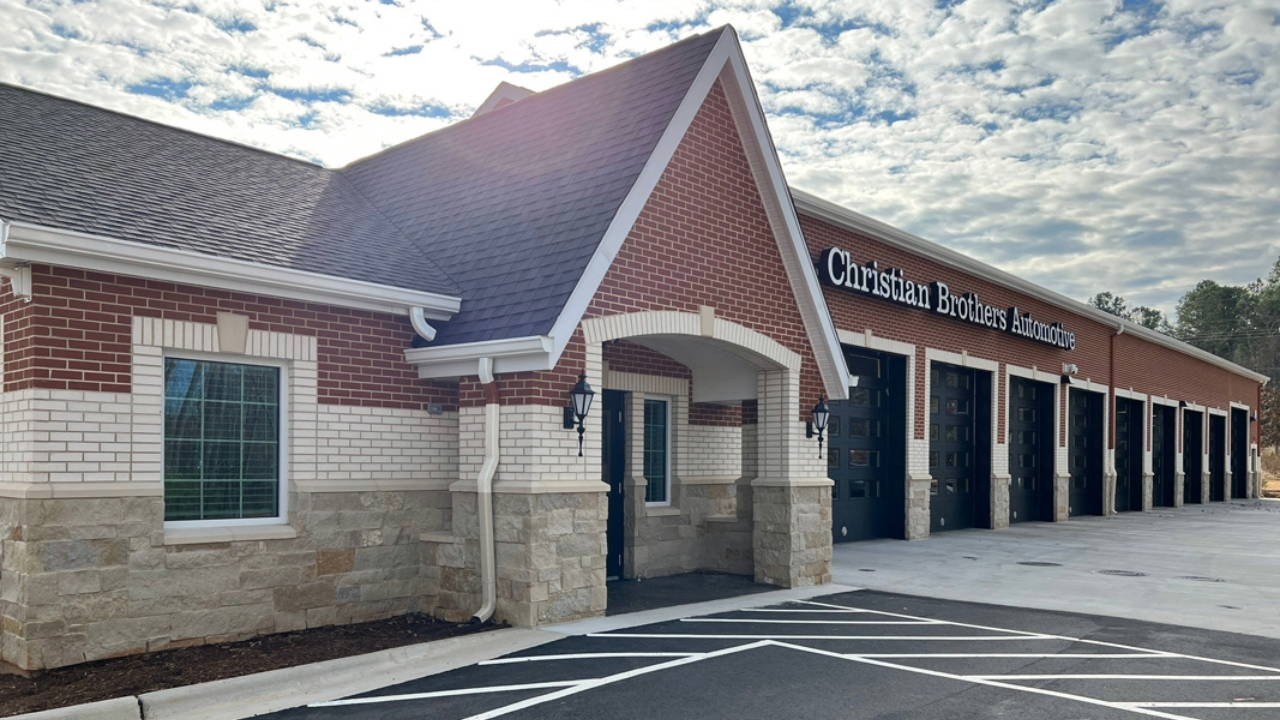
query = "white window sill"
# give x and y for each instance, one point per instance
(241, 533)
(661, 510)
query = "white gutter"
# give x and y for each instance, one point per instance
(830, 212)
(484, 495)
(522, 354)
(28, 243)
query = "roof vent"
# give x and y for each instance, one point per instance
(504, 94)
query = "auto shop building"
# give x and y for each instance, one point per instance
(243, 394)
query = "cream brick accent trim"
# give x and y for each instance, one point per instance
(1089, 385)
(65, 490)
(648, 384)
(1216, 411)
(665, 322)
(875, 342)
(1131, 394)
(202, 337)
(962, 359)
(1194, 407)
(711, 479)
(1167, 402)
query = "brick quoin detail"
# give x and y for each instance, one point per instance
(77, 335)
(1148, 368)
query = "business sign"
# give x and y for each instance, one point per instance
(837, 268)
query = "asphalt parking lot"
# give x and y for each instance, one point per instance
(860, 654)
(1213, 566)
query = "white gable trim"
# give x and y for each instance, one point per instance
(726, 63)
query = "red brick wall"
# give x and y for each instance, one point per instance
(1148, 368)
(703, 239)
(77, 333)
(17, 342)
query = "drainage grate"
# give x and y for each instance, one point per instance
(1121, 573)
(1200, 578)
(1034, 563)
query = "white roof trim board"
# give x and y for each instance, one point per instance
(841, 216)
(26, 243)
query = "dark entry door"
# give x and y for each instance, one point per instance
(1192, 455)
(1030, 450)
(1239, 453)
(1129, 423)
(1217, 458)
(1084, 444)
(952, 446)
(865, 452)
(615, 473)
(1164, 448)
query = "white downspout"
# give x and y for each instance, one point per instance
(484, 495)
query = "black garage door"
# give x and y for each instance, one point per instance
(866, 456)
(959, 448)
(1192, 455)
(1031, 443)
(1164, 448)
(1217, 458)
(1239, 453)
(1084, 443)
(1129, 422)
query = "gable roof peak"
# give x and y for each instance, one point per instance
(503, 95)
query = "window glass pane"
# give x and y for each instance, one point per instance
(222, 440)
(655, 450)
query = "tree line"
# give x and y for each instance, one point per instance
(1240, 323)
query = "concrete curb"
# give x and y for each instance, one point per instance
(252, 695)
(125, 708)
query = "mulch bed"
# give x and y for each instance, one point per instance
(139, 674)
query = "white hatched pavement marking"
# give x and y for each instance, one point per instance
(446, 693)
(992, 683)
(965, 656)
(1213, 678)
(771, 621)
(1100, 643)
(583, 656)
(610, 679)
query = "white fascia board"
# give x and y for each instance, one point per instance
(28, 243)
(841, 216)
(725, 58)
(522, 354)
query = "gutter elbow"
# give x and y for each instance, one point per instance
(418, 318)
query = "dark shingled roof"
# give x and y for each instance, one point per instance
(513, 203)
(76, 167)
(504, 209)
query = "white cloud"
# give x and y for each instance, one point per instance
(1086, 144)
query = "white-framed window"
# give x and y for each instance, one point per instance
(225, 440)
(657, 452)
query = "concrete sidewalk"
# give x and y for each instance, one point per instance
(1213, 566)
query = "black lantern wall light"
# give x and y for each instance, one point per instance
(821, 413)
(582, 395)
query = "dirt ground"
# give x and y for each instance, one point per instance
(138, 674)
(1271, 486)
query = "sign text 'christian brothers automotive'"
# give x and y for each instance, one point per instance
(837, 269)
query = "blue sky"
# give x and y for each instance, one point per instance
(1088, 145)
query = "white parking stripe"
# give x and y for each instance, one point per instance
(770, 621)
(965, 656)
(591, 684)
(891, 638)
(447, 693)
(582, 656)
(1264, 705)
(799, 610)
(993, 683)
(1216, 678)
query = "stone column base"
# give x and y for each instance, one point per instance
(1109, 493)
(918, 506)
(1061, 497)
(1148, 490)
(1000, 500)
(1205, 490)
(792, 535)
(1179, 487)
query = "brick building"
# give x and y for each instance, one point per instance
(243, 394)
